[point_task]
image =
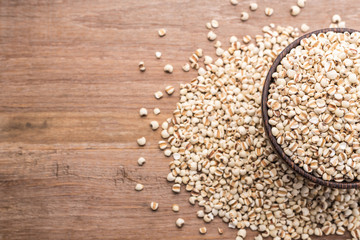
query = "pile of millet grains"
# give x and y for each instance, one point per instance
(220, 153)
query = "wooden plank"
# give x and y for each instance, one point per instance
(70, 95)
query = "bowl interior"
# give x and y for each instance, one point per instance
(267, 127)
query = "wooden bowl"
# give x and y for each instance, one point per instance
(264, 109)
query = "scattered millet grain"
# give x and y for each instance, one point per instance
(168, 68)
(139, 187)
(202, 230)
(304, 27)
(142, 66)
(141, 141)
(141, 161)
(156, 111)
(175, 208)
(158, 94)
(154, 206)
(169, 90)
(214, 23)
(180, 222)
(162, 32)
(143, 112)
(295, 10)
(234, 2)
(158, 55)
(211, 36)
(154, 125)
(269, 11)
(186, 67)
(244, 16)
(301, 3)
(253, 6)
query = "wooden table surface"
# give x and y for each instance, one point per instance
(70, 95)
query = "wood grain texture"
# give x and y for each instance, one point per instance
(70, 94)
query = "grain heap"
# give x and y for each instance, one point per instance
(314, 105)
(222, 156)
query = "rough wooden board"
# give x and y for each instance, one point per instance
(70, 94)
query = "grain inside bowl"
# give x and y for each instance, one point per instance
(314, 108)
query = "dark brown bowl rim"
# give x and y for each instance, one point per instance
(264, 111)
